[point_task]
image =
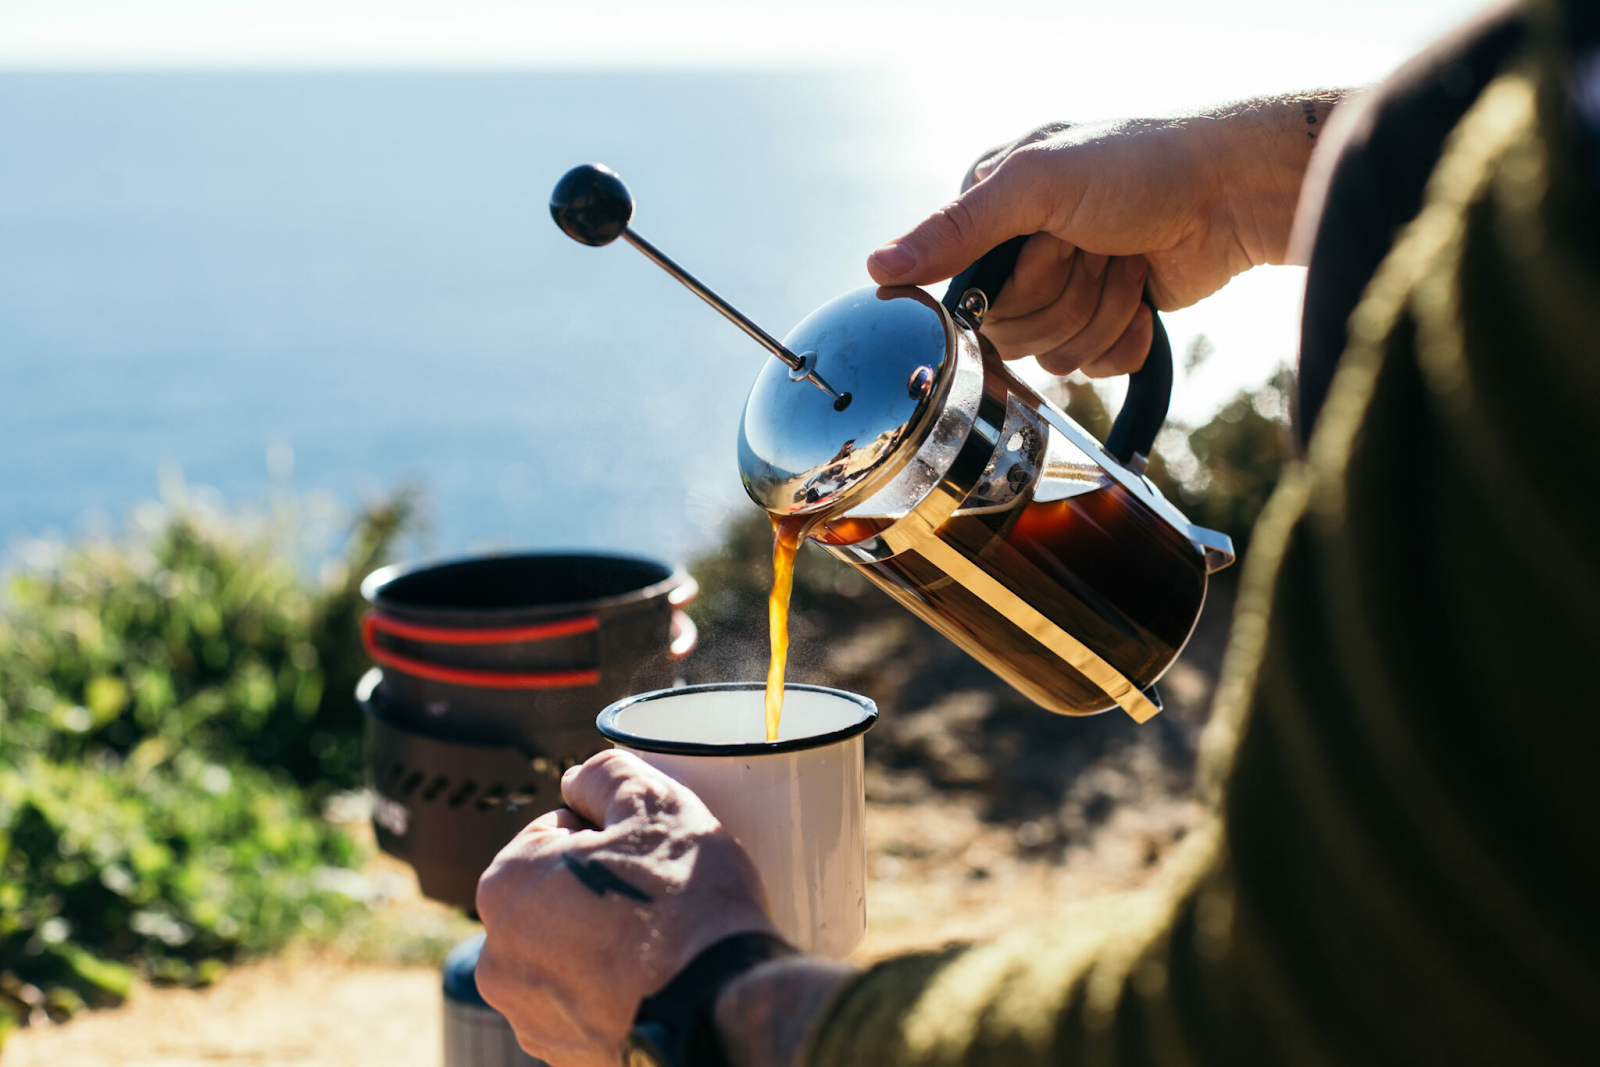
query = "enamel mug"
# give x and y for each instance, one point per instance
(796, 804)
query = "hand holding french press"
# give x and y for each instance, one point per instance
(1183, 202)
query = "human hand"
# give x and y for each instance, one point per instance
(596, 906)
(1174, 207)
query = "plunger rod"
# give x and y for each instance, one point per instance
(728, 311)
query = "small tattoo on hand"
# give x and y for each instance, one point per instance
(599, 880)
(1310, 109)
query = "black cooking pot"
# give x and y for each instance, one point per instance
(508, 648)
(493, 670)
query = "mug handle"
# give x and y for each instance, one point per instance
(1133, 434)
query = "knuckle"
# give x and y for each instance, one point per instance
(490, 893)
(983, 166)
(1137, 341)
(1098, 335)
(645, 838)
(1025, 158)
(606, 769)
(1070, 315)
(1080, 299)
(1127, 356)
(610, 759)
(1045, 132)
(1143, 324)
(1107, 364)
(532, 1046)
(630, 792)
(1009, 352)
(644, 797)
(1059, 361)
(990, 161)
(489, 975)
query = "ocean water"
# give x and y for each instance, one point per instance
(358, 270)
(199, 268)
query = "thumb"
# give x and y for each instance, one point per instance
(1006, 204)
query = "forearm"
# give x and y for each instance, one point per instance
(764, 1015)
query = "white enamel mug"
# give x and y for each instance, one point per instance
(796, 804)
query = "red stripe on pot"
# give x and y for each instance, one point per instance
(373, 624)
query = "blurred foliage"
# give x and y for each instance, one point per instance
(174, 707)
(1220, 474)
(1237, 458)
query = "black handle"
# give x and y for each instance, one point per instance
(1145, 407)
(988, 276)
(1149, 388)
(591, 205)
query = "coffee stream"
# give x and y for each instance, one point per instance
(787, 535)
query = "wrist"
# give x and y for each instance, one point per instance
(764, 1015)
(676, 1026)
(1262, 165)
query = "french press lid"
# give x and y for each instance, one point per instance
(802, 453)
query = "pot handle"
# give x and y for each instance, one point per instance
(1133, 434)
(685, 635)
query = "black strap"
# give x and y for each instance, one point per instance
(677, 1023)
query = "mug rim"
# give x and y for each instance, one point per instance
(605, 722)
(376, 585)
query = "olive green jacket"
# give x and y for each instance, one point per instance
(1403, 866)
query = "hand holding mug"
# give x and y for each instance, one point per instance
(596, 906)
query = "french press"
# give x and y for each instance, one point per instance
(921, 460)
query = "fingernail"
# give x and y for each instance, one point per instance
(1133, 267)
(567, 775)
(1095, 265)
(895, 258)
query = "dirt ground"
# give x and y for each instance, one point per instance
(936, 873)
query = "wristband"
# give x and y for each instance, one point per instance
(676, 1027)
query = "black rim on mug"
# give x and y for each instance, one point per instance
(606, 723)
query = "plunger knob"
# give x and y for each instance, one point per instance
(591, 205)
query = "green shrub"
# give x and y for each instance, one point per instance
(173, 709)
(1222, 473)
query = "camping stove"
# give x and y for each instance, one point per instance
(491, 671)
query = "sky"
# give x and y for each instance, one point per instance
(966, 74)
(631, 33)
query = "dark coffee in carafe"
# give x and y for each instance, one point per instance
(1098, 565)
